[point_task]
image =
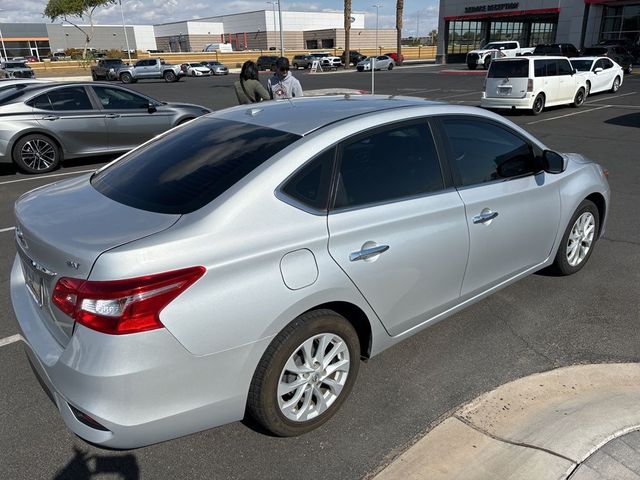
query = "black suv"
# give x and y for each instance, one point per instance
(302, 61)
(267, 62)
(562, 49)
(617, 53)
(354, 57)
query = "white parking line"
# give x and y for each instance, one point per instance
(10, 340)
(611, 97)
(77, 172)
(568, 115)
(10, 229)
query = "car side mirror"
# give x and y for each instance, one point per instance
(553, 162)
(151, 108)
(598, 70)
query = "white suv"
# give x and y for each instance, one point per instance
(532, 83)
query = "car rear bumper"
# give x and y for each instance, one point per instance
(506, 102)
(141, 388)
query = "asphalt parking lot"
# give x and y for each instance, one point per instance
(540, 323)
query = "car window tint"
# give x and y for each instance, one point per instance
(564, 67)
(509, 69)
(71, 98)
(599, 64)
(540, 68)
(551, 68)
(607, 63)
(387, 165)
(485, 152)
(118, 99)
(41, 101)
(310, 185)
(190, 166)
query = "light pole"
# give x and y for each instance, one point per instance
(418, 27)
(4, 50)
(281, 40)
(126, 37)
(273, 4)
(373, 58)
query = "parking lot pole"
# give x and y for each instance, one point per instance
(280, 20)
(373, 58)
(126, 37)
(4, 50)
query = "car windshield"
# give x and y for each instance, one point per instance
(509, 69)
(191, 166)
(15, 65)
(582, 65)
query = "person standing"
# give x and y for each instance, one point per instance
(283, 84)
(248, 87)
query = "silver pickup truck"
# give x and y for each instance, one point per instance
(150, 68)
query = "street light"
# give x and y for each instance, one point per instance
(273, 4)
(2, 40)
(125, 31)
(373, 58)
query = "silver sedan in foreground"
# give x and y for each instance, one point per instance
(42, 124)
(246, 262)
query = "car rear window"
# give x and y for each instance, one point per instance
(510, 69)
(191, 166)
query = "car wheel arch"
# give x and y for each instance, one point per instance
(600, 203)
(35, 131)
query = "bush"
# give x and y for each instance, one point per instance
(115, 53)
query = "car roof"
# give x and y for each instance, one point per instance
(530, 57)
(303, 115)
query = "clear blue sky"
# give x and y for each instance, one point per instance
(146, 12)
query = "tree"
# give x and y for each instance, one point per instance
(65, 9)
(399, 12)
(347, 31)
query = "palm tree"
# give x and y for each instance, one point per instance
(399, 12)
(347, 30)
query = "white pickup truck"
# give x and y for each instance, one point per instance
(483, 56)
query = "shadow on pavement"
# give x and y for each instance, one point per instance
(628, 120)
(80, 466)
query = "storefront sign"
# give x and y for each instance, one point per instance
(496, 7)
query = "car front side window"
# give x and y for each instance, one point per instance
(70, 98)
(117, 99)
(485, 152)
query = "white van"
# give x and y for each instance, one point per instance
(532, 83)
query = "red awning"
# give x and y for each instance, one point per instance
(511, 13)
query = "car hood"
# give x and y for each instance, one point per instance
(481, 51)
(185, 105)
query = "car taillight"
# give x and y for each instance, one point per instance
(530, 85)
(122, 306)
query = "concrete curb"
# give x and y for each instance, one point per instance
(539, 427)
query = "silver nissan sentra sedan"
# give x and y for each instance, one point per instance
(247, 261)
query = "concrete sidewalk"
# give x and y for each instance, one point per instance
(554, 425)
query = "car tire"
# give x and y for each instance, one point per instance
(487, 63)
(578, 100)
(390, 67)
(629, 69)
(578, 240)
(36, 153)
(615, 85)
(170, 77)
(538, 104)
(472, 66)
(295, 66)
(94, 76)
(126, 78)
(588, 89)
(292, 411)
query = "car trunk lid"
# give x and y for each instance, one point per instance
(507, 79)
(62, 228)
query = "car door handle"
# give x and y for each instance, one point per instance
(486, 216)
(368, 252)
(112, 115)
(51, 118)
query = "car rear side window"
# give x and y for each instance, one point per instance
(564, 67)
(63, 99)
(310, 185)
(509, 69)
(189, 167)
(388, 165)
(484, 152)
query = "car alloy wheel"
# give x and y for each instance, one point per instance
(36, 154)
(538, 104)
(615, 85)
(580, 239)
(578, 100)
(169, 77)
(305, 374)
(629, 69)
(126, 78)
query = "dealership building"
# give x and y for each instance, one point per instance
(469, 24)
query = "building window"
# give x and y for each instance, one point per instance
(327, 43)
(501, 31)
(621, 23)
(542, 33)
(312, 44)
(465, 36)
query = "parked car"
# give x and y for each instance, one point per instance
(330, 62)
(46, 123)
(31, 59)
(216, 67)
(381, 62)
(56, 56)
(617, 53)
(601, 73)
(302, 61)
(150, 68)
(533, 83)
(195, 69)
(482, 57)
(126, 302)
(557, 49)
(394, 57)
(354, 57)
(267, 62)
(17, 70)
(14, 84)
(107, 69)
